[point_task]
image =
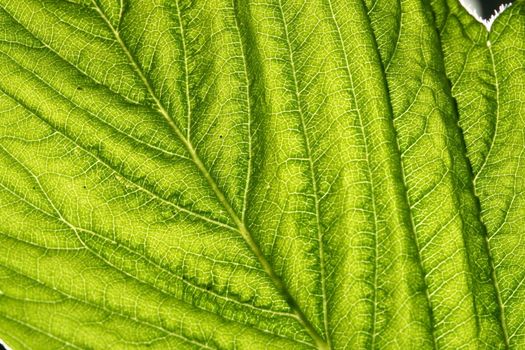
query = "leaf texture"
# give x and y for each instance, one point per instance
(263, 174)
(445, 224)
(491, 118)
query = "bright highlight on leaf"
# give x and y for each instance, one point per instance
(261, 174)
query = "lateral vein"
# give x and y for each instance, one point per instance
(119, 173)
(494, 276)
(313, 180)
(369, 175)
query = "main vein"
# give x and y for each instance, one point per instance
(243, 230)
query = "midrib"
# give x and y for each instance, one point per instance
(245, 233)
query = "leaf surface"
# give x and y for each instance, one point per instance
(491, 117)
(259, 174)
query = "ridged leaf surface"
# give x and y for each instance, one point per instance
(262, 174)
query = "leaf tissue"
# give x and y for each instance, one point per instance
(261, 174)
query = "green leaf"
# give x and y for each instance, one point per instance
(444, 214)
(263, 174)
(491, 116)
